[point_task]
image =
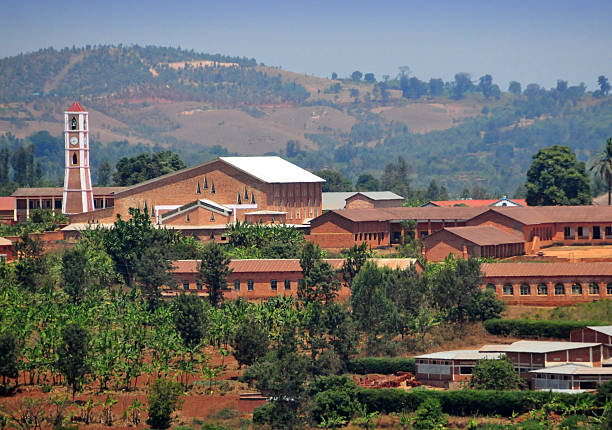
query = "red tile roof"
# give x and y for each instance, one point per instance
(408, 213)
(484, 235)
(551, 214)
(514, 270)
(76, 107)
(7, 203)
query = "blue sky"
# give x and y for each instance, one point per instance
(528, 41)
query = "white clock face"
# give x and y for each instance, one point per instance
(74, 140)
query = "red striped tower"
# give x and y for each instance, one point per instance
(78, 194)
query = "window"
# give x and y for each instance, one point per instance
(74, 158)
(508, 290)
(287, 284)
(58, 204)
(199, 285)
(273, 284)
(382, 236)
(185, 285)
(465, 370)
(187, 218)
(250, 285)
(360, 236)
(559, 289)
(596, 232)
(525, 290)
(608, 232)
(583, 232)
(355, 237)
(567, 233)
(236, 285)
(593, 288)
(609, 289)
(490, 287)
(542, 290)
(198, 191)
(74, 123)
(576, 289)
(369, 236)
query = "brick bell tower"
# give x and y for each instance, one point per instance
(78, 194)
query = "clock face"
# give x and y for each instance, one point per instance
(74, 140)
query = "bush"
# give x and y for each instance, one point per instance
(535, 328)
(461, 402)
(333, 397)
(382, 365)
(429, 415)
(495, 375)
(163, 400)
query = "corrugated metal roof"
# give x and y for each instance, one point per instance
(484, 235)
(7, 203)
(461, 354)
(58, 191)
(494, 348)
(273, 170)
(605, 329)
(574, 369)
(503, 270)
(537, 346)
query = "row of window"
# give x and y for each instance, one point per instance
(250, 284)
(583, 232)
(369, 236)
(559, 289)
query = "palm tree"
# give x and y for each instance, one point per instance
(602, 165)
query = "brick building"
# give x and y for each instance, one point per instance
(601, 334)
(7, 210)
(570, 377)
(258, 279)
(222, 190)
(6, 250)
(548, 284)
(447, 368)
(360, 199)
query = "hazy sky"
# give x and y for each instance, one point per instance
(529, 41)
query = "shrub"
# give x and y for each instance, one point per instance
(382, 365)
(495, 375)
(163, 400)
(429, 415)
(333, 397)
(535, 328)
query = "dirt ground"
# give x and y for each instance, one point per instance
(577, 253)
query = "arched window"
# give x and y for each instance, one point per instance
(559, 289)
(74, 124)
(508, 290)
(212, 216)
(525, 290)
(576, 289)
(542, 290)
(490, 287)
(593, 288)
(74, 159)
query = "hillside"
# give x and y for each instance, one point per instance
(202, 105)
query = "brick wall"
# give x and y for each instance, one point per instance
(438, 247)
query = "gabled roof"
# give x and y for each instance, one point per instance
(337, 199)
(554, 214)
(201, 203)
(408, 213)
(574, 369)
(461, 354)
(483, 235)
(495, 270)
(272, 170)
(605, 329)
(76, 107)
(7, 203)
(536, 346)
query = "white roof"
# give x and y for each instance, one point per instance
(461, 354)
(605, 329)
(537, 346)
(273, 169)
(574, 369)
(337, 199)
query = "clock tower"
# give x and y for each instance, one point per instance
(78, 194)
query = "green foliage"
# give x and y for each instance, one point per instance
(381, 365)
(250, 342)
(319, 282)
(214, 269)
(354, 258)
(9, 356)
(133, 170)
(163, 400)
(601, 164)
(332, 398)
(600, 310)
(74, 274)
(189, 319)
(495, 375)
(555, 177)
(485, 306)
(32, 266)
(334, 181)
(535, 328)
(72, 355)
(429, 415)
(263, 241)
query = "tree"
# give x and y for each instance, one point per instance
(31, 268)
(429, 415)
(455, 284)
(485, 86)
(319, 282)
(334, 76)
(604, 86)
(354, 258)
(367, 182)
(396, 178)
(72, 355)
(462, 84)
(293, 148)
(356, 75)
(163, 400)
(142, 167)
(9, 357)
(515, 88)
(369, 77)
(485, 306)
(555, 177)
(104, 174)
(354, 92)
(250, 342)
(334, 181)
(436, 87)
(74, 274)
(495, 375)
(602, 166)
(189, 319)
(214, 270)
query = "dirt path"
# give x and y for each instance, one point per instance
(54, 82)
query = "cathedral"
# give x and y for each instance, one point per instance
(201, 199)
